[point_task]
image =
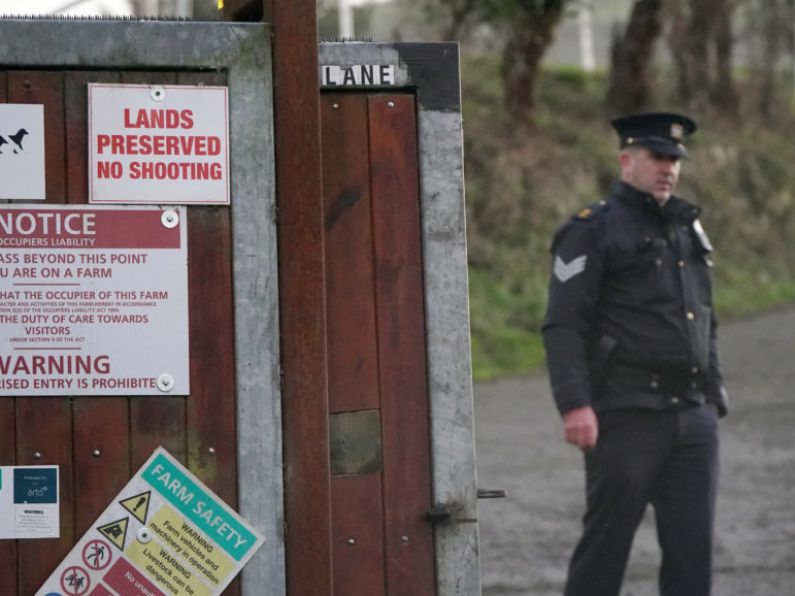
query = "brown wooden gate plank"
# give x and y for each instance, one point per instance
(356, 506)
(8, 548)
(301, 298)
(160, 420)
(44, 425)
(212, 446)
(44, 437)
(101, 424)
(401, 335)
(350, 304)
(357, 535)
(8, 436)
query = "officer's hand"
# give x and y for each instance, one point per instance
(581, 427)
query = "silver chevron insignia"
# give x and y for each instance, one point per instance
(565, 271)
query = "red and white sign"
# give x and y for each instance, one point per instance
(93, 301)
(159, 144)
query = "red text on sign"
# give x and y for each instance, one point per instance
(158, 118)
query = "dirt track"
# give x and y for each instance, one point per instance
(526, 538)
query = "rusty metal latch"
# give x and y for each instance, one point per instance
(444, 512)
(491, 493)
(440, 513)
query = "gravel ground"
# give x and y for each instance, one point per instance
(526, 538)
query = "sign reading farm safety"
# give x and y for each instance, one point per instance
(22, 151)
(161, 144)
(93, 301)
(166, 533)
(29, 502)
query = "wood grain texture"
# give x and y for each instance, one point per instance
(358, 535)
(301, 297)
(401, 336)
(44, 425)
(350, 300)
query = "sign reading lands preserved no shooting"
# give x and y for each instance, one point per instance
(160, 144)
(166, 533)
(93, 301)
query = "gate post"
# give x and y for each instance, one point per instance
(302, 297)
(301, 288)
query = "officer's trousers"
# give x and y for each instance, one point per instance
(666, 458)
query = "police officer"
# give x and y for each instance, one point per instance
(631, 349)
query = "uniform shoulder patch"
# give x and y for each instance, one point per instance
(590, 211)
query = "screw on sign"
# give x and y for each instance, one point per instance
(75, 581)
(97, 555)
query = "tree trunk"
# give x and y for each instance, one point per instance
(460, 15)
(677, 33)
(724, 95)
(701, 43)
(530, 34)
(630, 84)
(770, 34)
(696, 50)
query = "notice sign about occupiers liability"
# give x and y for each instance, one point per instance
(158, 144)
(93, 301)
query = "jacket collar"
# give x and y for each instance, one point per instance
(675, 209)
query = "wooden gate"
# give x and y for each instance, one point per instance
(382, 542)
(99, 442)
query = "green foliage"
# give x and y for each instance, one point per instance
(508, 9)
(519, 190)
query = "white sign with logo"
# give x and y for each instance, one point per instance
(22, 151)
(29, 502)
(166, 533)
(93, 301)
(160, 144)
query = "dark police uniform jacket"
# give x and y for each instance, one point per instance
(630, 320)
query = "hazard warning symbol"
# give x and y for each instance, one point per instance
(116, 531)
(75, 581)
(165, 533)
(97, 555)
(138, 505)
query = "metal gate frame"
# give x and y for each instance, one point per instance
(431, 71)
(243, 51)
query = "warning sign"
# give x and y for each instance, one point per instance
(29, 506)
(158, 144)
(97, 555)
(93, 301)
(116, 532)
(180, 539)
(138, 505)
(75, 581)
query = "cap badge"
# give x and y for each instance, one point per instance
(677, 132)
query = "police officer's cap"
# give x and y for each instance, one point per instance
(662, 132)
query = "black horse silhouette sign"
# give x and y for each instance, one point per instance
(22, 164)
(14, 141)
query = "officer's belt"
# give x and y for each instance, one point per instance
(682, 384)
